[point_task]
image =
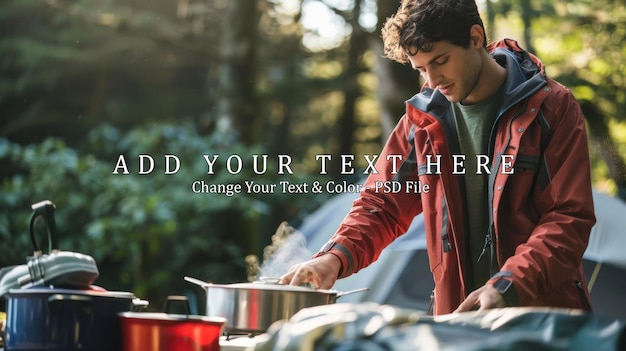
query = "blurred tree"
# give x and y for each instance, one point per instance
(318, 91)
(526, 10)
(354, 65)
(583, 46)
(396, 83)
(490, 19)
(84, 82)
(83, 63)
(357, 47)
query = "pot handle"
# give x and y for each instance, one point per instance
(139, 304)
(344, 293)
(44, 210)
(177, 299)
(202, 283)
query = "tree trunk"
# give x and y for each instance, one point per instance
(237, 104)
(491, 20)
(347, 124)
(527, 15)
(237, 99)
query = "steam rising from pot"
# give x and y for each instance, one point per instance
(288, 248)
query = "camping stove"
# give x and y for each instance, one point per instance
(242, 342)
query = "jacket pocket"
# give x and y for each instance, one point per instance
(526, 163)
(438, 236)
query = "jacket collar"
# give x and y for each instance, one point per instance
(525, 76)
(525, 72)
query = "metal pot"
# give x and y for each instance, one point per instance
(251, 308)
(64, 319)
(170, 332)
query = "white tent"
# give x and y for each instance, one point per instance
(608, 236)
(384, 274)
(401, 275)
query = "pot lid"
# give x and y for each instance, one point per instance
(82, 292)
(61, 268)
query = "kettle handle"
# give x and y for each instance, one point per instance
(45, 210)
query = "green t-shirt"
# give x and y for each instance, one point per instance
(474, 123)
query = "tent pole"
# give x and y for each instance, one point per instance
(594, 275)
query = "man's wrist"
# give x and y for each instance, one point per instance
(346, 263)
(332, 260)
(335, 261)
(503, 283)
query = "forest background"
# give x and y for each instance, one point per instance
(85, 81)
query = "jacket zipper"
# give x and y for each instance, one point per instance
(489, 236)
(445, 240)
(583, 296)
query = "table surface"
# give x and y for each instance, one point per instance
(241, 343)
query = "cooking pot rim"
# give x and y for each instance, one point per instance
(271, 287)
(162, 316)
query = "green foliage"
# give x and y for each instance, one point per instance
(583, 48)
(145, 231)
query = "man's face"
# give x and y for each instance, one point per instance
(451, 69)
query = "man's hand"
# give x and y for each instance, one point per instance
(485, 297)
(321, 272)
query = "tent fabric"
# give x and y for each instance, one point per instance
(608, 235)
(374, 327)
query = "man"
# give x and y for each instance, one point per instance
(502, 149)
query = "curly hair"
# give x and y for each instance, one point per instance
(419, 23)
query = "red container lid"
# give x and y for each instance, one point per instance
(171, 332)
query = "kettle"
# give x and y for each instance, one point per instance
(63, 269)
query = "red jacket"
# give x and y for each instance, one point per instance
(540, 191)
